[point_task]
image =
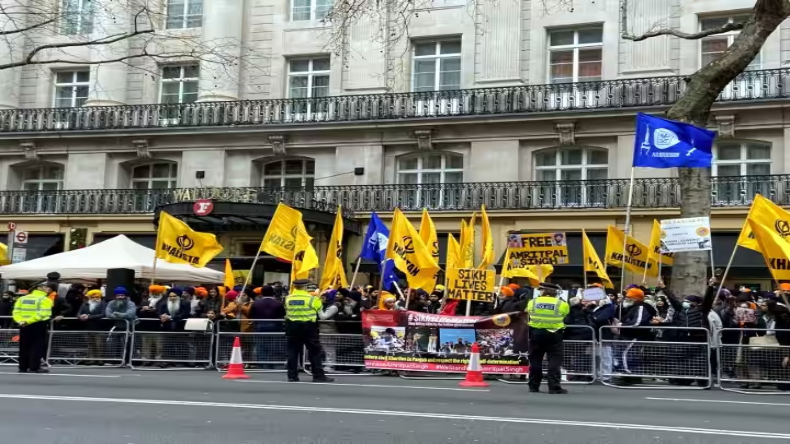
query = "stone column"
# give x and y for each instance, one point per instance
(11, 47)
(219, 70)
(108, 80)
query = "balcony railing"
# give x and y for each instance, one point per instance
(512, 196)
(628, 93)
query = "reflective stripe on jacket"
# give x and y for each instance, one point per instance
(34, 307)
(547, 312)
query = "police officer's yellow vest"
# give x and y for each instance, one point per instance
(547, 313)
(302, 307)
(34, 307)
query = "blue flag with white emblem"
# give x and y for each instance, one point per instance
(662, 143)
(374, 248)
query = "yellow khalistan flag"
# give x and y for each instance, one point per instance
(334, 275)
(768, 214)
(453, 253)
(305, 257)
(655, 246)
(593, 263)
(429, 237)
(230, 280)
(410, 254)
(468, 243)
(776, 250)
(488, 242)
(179, 244)
(636, 253)
(280, 237)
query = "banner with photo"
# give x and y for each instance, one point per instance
(414, 341)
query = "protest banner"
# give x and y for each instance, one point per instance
(470, 284)
(593, 294)
(537, 249)
(689, 234)
(414, 341)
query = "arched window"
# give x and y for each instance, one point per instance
(430, 168)
(42, 178)
(155, 176)
(734, 165)
(572, 163)
(288, 173)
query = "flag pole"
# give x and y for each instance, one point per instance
(660, 263)
(156, 248)
(627, 230)
(726, 271)
(254, 262)
(354, 276)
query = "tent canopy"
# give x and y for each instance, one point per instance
(93, 262)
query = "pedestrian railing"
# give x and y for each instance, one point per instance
(343, 351)
(9, 341)
(103, 342)
(752, 360)
(263, 344)
(679, 360)
(162, 345)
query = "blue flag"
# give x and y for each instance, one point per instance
(375, 247)
(662, 143)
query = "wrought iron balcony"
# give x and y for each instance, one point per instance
(505, 196)
(626, 93)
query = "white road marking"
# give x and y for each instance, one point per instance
(368, 385)
(719, 401)
(416, 415)
(63, 374)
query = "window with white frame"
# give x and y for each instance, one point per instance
(289, 173)
(42, 178)
(182, 14)
(576, 55)
(436, 66)
(309, 9)
(308, 78)
(179, 84)
(155, 176)
(742, 159)
(571, 164)
(431, 168)
(76, 17)
(712, 47)
(71, 88)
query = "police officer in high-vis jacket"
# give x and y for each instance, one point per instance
(546, 324)
(32, 312)
(301, 331)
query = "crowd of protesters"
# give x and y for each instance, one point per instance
(623, 322)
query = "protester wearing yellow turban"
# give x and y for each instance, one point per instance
(386, 301)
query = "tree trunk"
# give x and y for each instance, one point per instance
(689, 273)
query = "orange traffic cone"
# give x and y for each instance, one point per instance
(236, 366)
(474, 373)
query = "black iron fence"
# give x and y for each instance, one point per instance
(590, 194)
(626, 93)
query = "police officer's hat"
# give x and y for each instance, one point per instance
(550, 286)
(302, 282)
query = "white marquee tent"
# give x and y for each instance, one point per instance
(93, 262)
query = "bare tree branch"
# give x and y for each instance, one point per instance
(29, 28)
(626, 35)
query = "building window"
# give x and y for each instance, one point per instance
(576, 55)
(183, 14)
(308, 78)
(711, 48)
(76, 17)
(156, 176)
(571, 164)
(180, 84)
(71, 88)
(437, 66)
(42, 178)
(309, 9)
(289, 173)
(431, 168)
(742, 159)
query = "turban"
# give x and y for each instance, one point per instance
(695, 299)
(506, 291)
(94, 293)
(231, 295)
(635, 293)
(439, 288)
(177, 291)
(514, 287)
(257, 290)
(158, 289)
(784, 286)
(190, 290)
(201, 292)
(119, 290)
(383, 298)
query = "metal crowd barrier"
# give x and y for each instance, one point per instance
(579, 357)
(166, 345)
(75, 342)
(9, 341)
(263, 344)
(343, 348)
(754, 361)
(680, 358)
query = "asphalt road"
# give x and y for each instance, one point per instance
(111, 406)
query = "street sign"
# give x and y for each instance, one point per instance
(21, 237)
(203, 207)
(18, 255)
(11, 226)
